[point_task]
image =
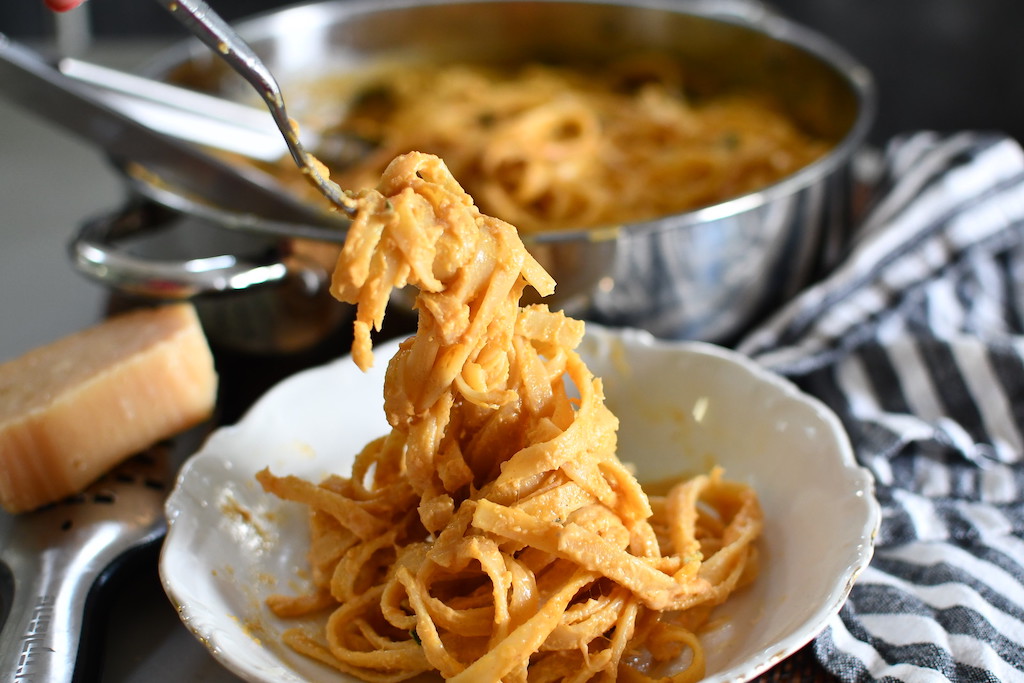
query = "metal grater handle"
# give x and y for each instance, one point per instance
(57, 554)
(40, 638)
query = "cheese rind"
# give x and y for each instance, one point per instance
(71, 410)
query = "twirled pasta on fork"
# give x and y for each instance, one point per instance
(494, 534)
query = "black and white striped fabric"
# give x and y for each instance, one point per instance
(916, 340)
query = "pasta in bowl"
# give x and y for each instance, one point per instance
(682, 408)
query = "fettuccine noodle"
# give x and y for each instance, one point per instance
(547, 147)
(493, 534)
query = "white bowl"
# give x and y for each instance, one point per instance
(682, 407)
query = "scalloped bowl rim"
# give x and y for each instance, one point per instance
(228, 545)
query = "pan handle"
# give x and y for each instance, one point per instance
(96, 252)
(258, 294)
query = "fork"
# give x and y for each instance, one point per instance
(206, 25)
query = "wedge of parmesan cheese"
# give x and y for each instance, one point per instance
(72, 409)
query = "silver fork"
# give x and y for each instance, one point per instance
(206, 25)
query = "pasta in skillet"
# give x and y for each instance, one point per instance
(494, 534)
(546, 147)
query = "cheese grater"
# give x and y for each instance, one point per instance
(54, 557)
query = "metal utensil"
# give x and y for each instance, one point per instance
(55, 556)
(213, 31)
(160, 160)
(202, 119)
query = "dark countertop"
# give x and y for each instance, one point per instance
(939, 64)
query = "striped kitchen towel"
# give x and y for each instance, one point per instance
(916, 340)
